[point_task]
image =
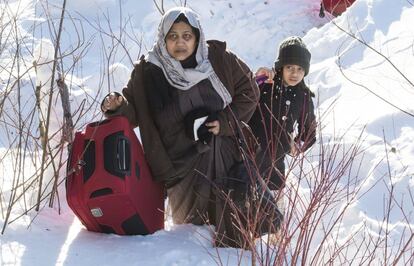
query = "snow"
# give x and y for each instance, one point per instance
(357, 92)
(47, 242)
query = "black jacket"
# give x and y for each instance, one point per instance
(283, 111)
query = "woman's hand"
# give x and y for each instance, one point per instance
(111, 102)
(214, 127)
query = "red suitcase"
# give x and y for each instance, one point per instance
(109, 186)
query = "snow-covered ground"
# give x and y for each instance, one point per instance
(362, 84)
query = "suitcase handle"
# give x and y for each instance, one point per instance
(123, 154)
(117, 154)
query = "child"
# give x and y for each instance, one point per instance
(284, 121)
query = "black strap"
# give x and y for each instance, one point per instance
(322, 11)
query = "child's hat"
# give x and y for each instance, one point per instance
(293, 51)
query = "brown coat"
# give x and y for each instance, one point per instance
(233, 73)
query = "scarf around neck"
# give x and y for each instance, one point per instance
(177, 76)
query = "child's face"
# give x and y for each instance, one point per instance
(293, 74)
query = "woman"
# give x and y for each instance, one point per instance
(182, 82)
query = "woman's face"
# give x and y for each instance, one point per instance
(181, 41)
(293, 74)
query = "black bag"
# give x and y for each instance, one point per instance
(204, 136)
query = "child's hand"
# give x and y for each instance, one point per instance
(295, 148)
(264, 71)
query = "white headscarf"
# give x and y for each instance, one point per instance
(176, 75)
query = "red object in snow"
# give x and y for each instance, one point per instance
(335, 7)
(109, 185)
